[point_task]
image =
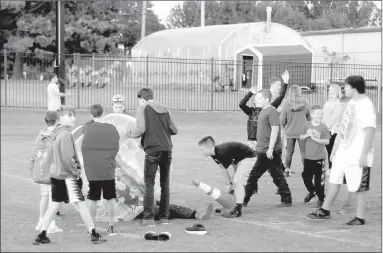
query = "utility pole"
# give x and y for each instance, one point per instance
(60, 40)
(202, 13)
(143, 23)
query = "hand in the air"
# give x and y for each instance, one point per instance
(286, 76)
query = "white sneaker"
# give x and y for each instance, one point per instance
(53, 228)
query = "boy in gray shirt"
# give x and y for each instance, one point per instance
(316, 136)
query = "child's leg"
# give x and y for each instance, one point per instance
(45, 191)
(319, 179)
(111, 210)
(93, 209)
(49, 215)
(85, 215)
(308, 174)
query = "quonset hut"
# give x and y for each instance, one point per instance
(240, 55)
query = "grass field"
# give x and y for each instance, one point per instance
(263, 227)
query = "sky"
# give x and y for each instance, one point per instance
(162, 8)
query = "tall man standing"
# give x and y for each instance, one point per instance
(155, 127)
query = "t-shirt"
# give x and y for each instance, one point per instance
(53, 98)
(359, 114)
(267, 118)
(314, 150)
(229, 153)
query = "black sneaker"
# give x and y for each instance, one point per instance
(97, 238)
(285, 204)
(277, 193)
(235, 212)
(287, 172)
(196, 229)
(309, 197)
(153, 236)
(320, 214)
(41, 240)
(356, 221)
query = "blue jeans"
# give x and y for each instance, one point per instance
(163, 160)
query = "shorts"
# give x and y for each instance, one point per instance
(67, 190)
(365, 182)
(242, 170)
(252, 144)
(108, 188)
(45, 190)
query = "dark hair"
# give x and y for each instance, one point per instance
(145, 93)
(51, 117)
(96, 110)
(207, 140)
(265, 94)
(64, 109)
(51, 76)
(357, 82)
(274, 79)
(315, 107)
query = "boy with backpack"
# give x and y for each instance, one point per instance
(65, 176)
(42, 175)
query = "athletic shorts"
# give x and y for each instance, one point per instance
(108, 188)
(45, 190)
(242, 170)
(67, 190)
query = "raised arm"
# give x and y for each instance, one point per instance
(285, 77)
(243, 103)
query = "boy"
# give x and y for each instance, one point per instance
(352, 152)
(65, 176)
(51, 118)
(99, 148)
(54, 94)
(269, 150)
(240, 157)
(316, 136)
(118, 104)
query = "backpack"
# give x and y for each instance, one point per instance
(40, 163)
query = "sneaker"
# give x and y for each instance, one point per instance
(277, 193)
(205, 212)
(285, 204)
(235, 212)
(319, 203)
(320, 214)
(163, 222)
(111, 229)
(287, 173)
(41, 240)
(356, 221)
(53, 228)
(196, 229)
(153, 236)
(97, 238)
(148, 222)
(218, 210)
(309, 197)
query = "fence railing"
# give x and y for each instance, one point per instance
(182, 84)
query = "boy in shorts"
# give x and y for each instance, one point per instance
(353, 152)
(65, 176)
(51, 119)
(316, 135)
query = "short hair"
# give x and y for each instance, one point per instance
(315, 107)
(145, 93)
(65, 109)
(208, 140)
(357, 82)
(274, 79)
(51, 76)
(265, 93)
(96, 110)
(51, 117)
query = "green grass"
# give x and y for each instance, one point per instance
(263, 227)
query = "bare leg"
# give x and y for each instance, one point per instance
(85, 215)
(44, 202)
(361, 205)
(51, 212)
(93, 209)
(111, 210)
(332, 193)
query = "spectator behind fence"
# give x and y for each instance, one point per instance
(54, 94)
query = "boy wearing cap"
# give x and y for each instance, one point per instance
(118, 104)
(51, 119)
(155, 127)
(65, 176)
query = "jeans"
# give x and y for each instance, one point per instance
(329, 148)
(161, 159)
(175, 212)
(313, 169)
(290, 146)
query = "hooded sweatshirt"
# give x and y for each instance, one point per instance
(155, 126)
(293, 120)
(63, 155)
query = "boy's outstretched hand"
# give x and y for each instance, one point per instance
(286, 77)
(254, 89)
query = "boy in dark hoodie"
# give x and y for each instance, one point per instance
(65, 176)
(155, 127)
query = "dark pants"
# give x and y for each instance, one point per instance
(274, 166)
(161, 159)
(175, 212)
(314, 169)
(290, 148)
(329, 148)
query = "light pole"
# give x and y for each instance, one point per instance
(60, 40)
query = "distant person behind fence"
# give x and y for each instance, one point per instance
(54, 94)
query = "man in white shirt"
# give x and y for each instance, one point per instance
(54, 94)
(352, 155)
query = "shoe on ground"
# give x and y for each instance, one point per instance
(97, 238)
(148, 223)
(163, 222)
(53, 228)
(287, 173)
(356, 222)
(218, 210)
(235, 212)
(319, 214)
(153, 236)
(285, 204)
(309, 197)
(196, 229)
(41, 240)
(204, 213)
(277, 193)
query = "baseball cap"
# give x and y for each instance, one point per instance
(118, 98)
(51, 116)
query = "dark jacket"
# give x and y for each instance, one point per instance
(253, 112)
(155, 126)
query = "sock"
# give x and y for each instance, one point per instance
(94, 233)
(326, 212)
(43, 234)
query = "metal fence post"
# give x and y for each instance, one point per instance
(93, 69)
(5, 78)
(77, 59)
(212, 84)
(147, 71)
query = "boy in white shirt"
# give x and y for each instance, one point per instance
(54, 94)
